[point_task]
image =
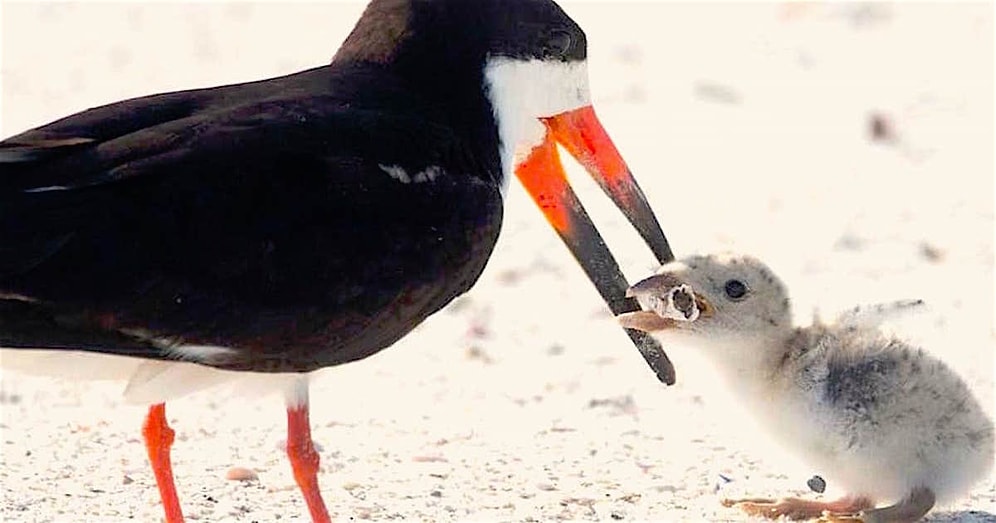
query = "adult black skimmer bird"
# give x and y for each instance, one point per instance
(876, 414)
(305, 221)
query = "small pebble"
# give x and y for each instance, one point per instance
(717, 93)
(880, 128)
(817, 484)
(722, 481)
(241, 474)
(9, 398)
(475, 352)
(931, 253)
(429, 459)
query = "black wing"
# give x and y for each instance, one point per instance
(268, 222)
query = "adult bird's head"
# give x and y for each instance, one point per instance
(519, 66)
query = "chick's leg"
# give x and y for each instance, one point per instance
(909, 510)
(797, 508)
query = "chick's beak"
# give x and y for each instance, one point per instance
(543, 177)
(645, 321)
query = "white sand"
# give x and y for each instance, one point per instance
(747, 126)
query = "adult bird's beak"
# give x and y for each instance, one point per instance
(542, 174)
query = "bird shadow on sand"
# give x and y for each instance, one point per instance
(961, 516)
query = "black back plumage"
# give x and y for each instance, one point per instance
(268, 226)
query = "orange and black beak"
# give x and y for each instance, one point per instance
(542, 174)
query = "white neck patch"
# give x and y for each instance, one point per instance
(521, 92)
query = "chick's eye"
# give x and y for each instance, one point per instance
(735, 289)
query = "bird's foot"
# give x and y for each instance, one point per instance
(796, 508)
(770, 508)
(908, 510)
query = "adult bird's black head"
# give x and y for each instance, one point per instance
(513, 73)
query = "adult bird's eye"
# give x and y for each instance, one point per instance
(558, 43)
(735, 289)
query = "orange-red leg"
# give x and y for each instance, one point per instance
(908, 510)
(304, 460)
(158, 439)
(796, 508)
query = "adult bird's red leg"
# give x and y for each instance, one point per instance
(303, 457)
(158, 439)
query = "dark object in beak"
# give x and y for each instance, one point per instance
(666, 297)
(542, 174)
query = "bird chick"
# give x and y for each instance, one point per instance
(882, 418)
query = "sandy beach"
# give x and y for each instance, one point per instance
(850, 145)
